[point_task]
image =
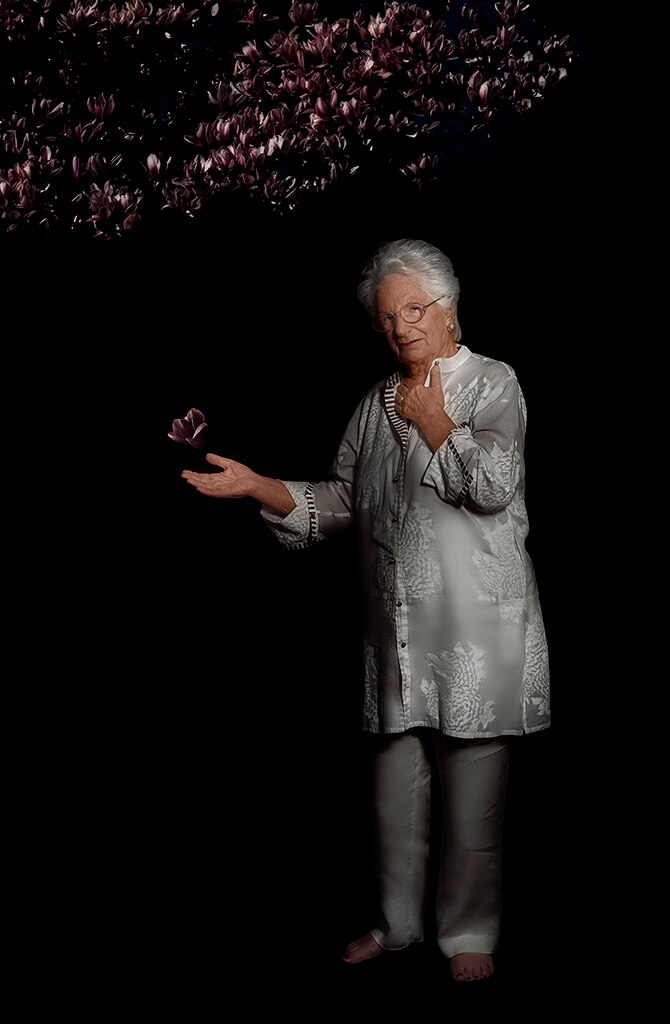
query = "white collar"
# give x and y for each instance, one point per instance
(448, 364)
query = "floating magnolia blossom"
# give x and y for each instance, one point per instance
(189, 429)
(189, 102)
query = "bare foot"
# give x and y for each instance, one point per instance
(471, 966)
(362, 949)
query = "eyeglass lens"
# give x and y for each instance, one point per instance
(411, 314)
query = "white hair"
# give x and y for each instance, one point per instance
(423, 262)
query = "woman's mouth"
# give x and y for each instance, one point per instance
(404, 344)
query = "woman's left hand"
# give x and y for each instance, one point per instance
(425, 406)
(417, 402)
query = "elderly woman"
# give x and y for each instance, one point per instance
(431, 472)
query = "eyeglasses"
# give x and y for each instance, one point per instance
(411, 314)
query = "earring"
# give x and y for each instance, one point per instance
(450, 327)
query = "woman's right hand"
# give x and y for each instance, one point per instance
(238, 481)
(234, 480)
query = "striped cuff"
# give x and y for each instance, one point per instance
(294, 530)
(467, 477)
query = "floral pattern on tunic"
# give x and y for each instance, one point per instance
(517, 508)
(501, 571)
(370, 691)
(368, 494)
(536, 672)
(513, 611)
(505, 462)
(453, 696)
(466, 398)
(384, 582)
(421, 569)
(505, 466)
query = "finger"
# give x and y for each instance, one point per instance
(198, 479)
(217, 460)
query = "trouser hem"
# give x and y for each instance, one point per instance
(378, 936)
(468, 944)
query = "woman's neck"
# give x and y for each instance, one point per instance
(420, 369)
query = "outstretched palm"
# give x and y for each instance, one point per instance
(234, 480)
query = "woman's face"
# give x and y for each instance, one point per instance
(417, 343)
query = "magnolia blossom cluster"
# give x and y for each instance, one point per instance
(116, 112)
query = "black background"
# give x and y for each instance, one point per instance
(198, 689)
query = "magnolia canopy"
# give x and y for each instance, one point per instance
(116, 114)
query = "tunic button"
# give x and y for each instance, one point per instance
(394, 519)
(399, 604)
(395, 479)
(403, 644)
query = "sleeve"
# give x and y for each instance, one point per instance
(480, 464)
(322, 509)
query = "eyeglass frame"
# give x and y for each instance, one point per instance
(424, 305)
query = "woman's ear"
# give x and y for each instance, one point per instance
(450, 312)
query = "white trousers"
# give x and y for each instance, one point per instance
(473, 782)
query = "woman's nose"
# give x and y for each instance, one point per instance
(399, 327)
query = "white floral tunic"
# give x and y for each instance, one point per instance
(454, 638)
